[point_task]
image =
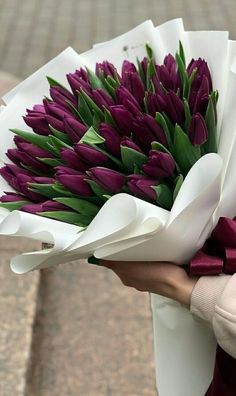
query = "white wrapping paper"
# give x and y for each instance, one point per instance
(127, 228)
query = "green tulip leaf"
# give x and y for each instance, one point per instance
(61, 135)
(211, 144)
(51, 161)
(80, 205)
(31, 137)
(94, 80)
(164, 196)
(131, 157)
(91, 137)
(162, 122)
(46, 190)
(184, 152)
(92, 105)
(13, 205)
(68, 217)
(178, 183)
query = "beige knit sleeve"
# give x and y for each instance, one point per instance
(214, 300)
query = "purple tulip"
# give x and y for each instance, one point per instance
(112, 137)
(202, 70)
(75, 183)
(108, 179)
(198, 133)
(106, 69)
(19, 157)
(47, 206)
(37, 121)
(74, 128)
(127, 67)
(127, 142)
(125, 98)
(141, 186)
(55, 110)
(65, 170)
(90, 155)
(159, 165)
(133, 82)
(54, 122)
(168, 75)
(60, 96)
(12, 197)
(174, 107)
(155, 103)
(123, 118)
(78, 81)
(23, 187)
(39, 108)
(9, 172)
(32, 150)
(198, 99)
(71, 159)
(101, 98)
(147, 130)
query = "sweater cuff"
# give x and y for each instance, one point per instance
(205, 295)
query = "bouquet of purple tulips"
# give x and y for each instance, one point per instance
(131, 157)
(138, 132)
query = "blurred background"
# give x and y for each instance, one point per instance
(75, 330)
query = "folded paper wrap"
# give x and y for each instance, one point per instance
(127, 228)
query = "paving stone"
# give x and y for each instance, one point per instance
(18, 298)
(91, 334)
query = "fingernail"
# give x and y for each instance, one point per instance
(93, 260)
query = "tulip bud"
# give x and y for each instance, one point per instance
(77, 83)
(174, 107)
(106, 69)
(32, 208)
(198, 99)
(61, 95)
(38, 122)
(11, 197)
(123, 95)
(127, 142)
(54, 122)
(155, 103)
(133, 82)
(55, 110)
(65, 170)
(159, 165)
(23, 187)
(112, 137)
(75, 183)
(74, 128)
(147, 130)
(167, 74)
(141, 186)
(202, 70)
(110, 180)
(123, 118)
(101, 98)
(71, 158)
(90, 155)
(33, 150)
(127, 67)
(198, 133)
(21, 157)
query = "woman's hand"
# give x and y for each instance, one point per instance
(166, 279)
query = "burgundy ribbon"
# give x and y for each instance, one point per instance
(217, 256)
